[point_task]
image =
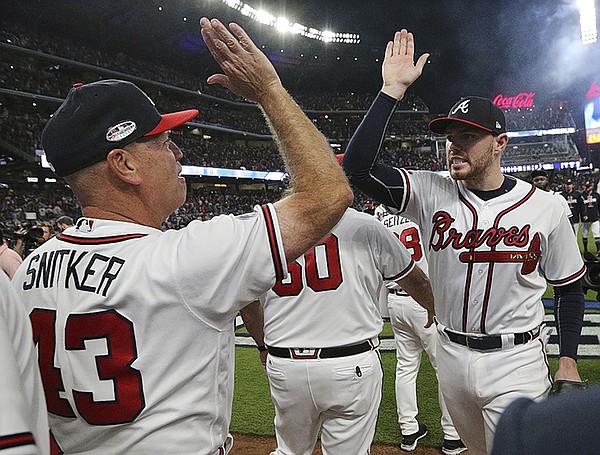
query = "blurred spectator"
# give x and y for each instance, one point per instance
(64, 222)
(29, 239)
(10, 260)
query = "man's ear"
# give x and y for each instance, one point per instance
(124, 165)
(501, 142)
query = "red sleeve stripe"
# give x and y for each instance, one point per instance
(407, 189)
(16, 440)
(569, 278)
(98, 240)
(275, 252)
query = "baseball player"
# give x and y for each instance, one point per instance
(591, 199)
(23, 415)
(321, 328)
(575, 201)
(134, 325)
(493, 243)
(408, 320)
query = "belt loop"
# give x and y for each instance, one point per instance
(508, 341)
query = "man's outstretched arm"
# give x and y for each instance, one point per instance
(399, 71)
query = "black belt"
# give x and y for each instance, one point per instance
(489, 342)
(399, 292)
(320, 353)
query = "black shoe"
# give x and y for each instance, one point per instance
(409, 442)
(453, 446)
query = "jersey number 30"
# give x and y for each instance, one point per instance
(115, 365)
(314, 280)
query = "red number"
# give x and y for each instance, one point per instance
(293, 284)
(410, 239)
(44, 335)
(334, 268)
(317, 283)
(114, 366)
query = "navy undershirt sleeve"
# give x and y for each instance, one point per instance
(569, 305)
(382, 182)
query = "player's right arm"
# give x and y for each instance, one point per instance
(399, 71)
(320, 192)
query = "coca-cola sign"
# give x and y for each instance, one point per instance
(522, 100)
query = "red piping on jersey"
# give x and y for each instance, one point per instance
(16, 440)
(406, 188)
(275, 253)
(569, 278)
(98, 240)
(488, 285)
(470, 266)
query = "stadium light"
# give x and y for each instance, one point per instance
(587, 20)
(284, 25)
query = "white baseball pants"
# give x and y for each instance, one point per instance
(479, 385)
(339, 396)
(408, 319)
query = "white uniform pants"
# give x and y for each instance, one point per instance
(588, 226)
(408, 319)
(338, 396)
(479, 385)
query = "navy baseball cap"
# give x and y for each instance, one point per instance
(101, 116)
(474, 111)
(539, 173)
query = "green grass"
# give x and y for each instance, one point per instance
(253, 410)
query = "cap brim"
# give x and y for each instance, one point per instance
(172, 120)
(439, 125)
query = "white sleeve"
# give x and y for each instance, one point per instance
(227, 262)
(23, 418)
(393, 260)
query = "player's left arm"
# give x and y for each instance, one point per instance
(569, 305)
(417, 285)
(254, 321)
(399, 71)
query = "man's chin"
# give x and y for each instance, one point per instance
(458, 175)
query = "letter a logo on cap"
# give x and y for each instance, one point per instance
(464, 107)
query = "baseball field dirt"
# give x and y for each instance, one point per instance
(244, 444)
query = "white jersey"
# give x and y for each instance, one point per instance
(23, 415)
(523, 236)
(408, 233)
(331, 295)
(135, 328)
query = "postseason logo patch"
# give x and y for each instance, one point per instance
(120, 131)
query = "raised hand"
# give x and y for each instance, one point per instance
(247, 71)
(399, 70)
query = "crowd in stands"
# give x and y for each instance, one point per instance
(539, 118)
(540, 152)
(335, 114)
(48, 77)
(20, 208)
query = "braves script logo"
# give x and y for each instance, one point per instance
(443, 235)
(464, 107)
